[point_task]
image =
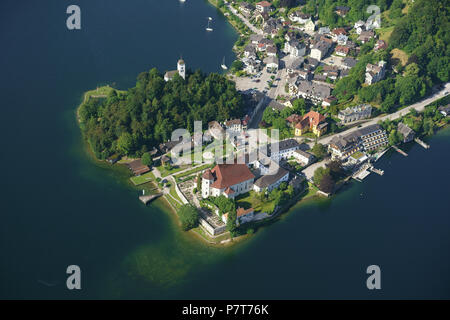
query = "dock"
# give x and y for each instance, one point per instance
(423, 144)
(147, 199)
(377, 171)
(400, 151)
(362, 173)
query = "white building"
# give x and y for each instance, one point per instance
(181, 70)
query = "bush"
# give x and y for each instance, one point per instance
(188, 216)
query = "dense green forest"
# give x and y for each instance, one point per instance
(133, 122)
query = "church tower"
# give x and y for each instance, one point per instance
(181, 67)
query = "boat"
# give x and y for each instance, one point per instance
(223, 65)
(208, 28)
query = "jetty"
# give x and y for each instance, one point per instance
(147, 199)
(377, 171)
(423, 144)
(400, 151)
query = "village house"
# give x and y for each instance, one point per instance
(305, 158)
(313, 91)
(324, 30)
(250, 51)
(295, 48)
(282, 150)
(445, 110)
(380, 45)
(366, 36)
(263, 7)
(348, 63)
(310, 26)
(255, 38)
(359, 26)
(356, 113)
(328, 101)
(341, 10)
(271, 181)
(375, 73)
(407, 133)
(337, 32)
(271, 62)
(320, 50)
(300, 17)
(294, 64)
(342, 51)
(246, 8)
(229, 180)
(271, 51)
(234, 125)
(242, 215)
(311, 121)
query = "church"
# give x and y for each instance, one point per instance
(181, 70)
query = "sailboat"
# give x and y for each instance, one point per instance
(208, 28)
(223, 65)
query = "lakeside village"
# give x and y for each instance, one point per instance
(236, 196)
(286, 71)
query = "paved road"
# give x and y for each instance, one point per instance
(244, 20)
(419, 106)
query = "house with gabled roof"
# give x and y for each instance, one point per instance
(311, 121)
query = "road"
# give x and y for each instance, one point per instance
(243, 19)
(419, 106)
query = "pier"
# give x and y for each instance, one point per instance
(147, 199)
(377, 171)
(400, 151)
(423, 144)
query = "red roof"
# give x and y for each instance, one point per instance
(310, 119)
(242, 212)
(342, 49)
(294, 118)
(263, 4)
(338, 31)
(228, 175)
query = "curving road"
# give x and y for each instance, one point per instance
(419, 106)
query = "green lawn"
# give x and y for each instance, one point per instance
(164, 172)
(251, 200)
(189, 172)
(147, 177)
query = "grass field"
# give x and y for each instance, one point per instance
(147, 177)
(251, 200)
(400, 55)
(385, 33)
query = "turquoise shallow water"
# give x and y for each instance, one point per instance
(59, 208)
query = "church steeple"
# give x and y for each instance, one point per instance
(181, 67)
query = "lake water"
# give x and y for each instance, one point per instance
(60, 208)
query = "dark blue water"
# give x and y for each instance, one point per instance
(58, 207)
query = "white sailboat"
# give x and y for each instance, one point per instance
(223, 65)
(208, 28)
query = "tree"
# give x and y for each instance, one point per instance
(231, 221)
(327, 183)
(125, 143)
(319, 174)
(188, 215)
(319, 150)
(146, 159)
(336, 169)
